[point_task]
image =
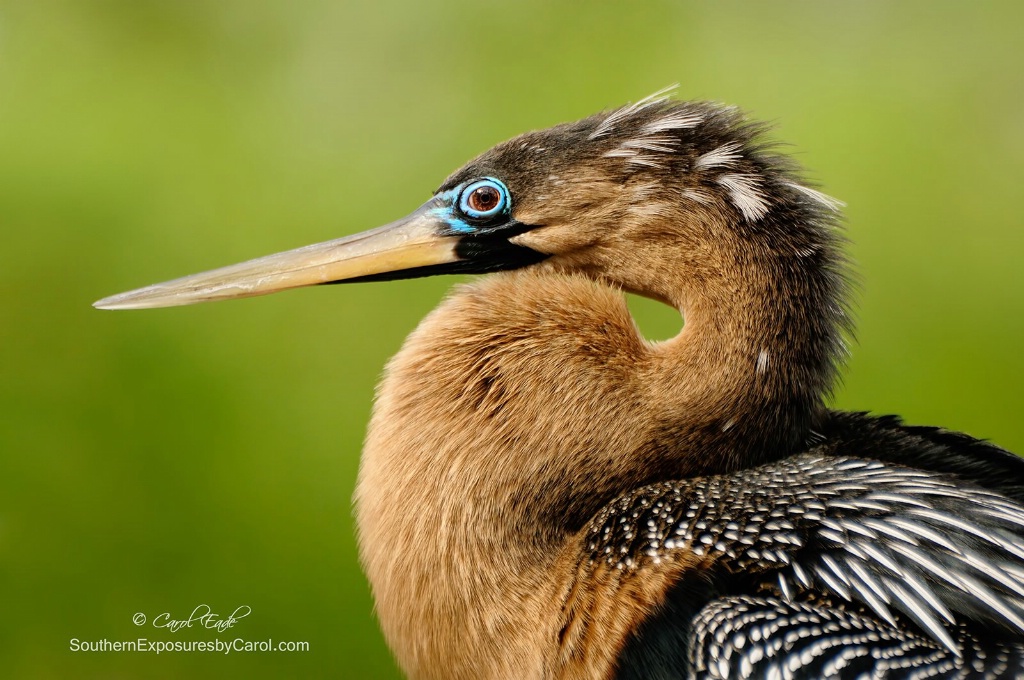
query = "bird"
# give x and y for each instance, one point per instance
(544, 493)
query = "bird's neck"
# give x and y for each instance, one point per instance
(519, 408)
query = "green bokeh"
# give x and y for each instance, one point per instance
(154, 461)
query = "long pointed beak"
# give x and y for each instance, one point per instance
(411, 242)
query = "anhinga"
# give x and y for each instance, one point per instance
(545, 494)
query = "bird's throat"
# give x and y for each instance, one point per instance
(519, 408)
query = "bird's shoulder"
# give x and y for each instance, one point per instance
(905, 543)
(934, 449)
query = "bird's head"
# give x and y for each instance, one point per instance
(623, 196)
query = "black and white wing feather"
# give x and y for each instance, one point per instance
(737, 638)
(828, 558)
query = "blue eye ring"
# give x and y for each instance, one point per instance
(484, 198)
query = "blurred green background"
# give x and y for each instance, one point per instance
(153, 461)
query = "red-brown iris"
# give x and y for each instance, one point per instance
(484, 199)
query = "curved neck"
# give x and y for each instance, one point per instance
(749, 374)
(524, 404)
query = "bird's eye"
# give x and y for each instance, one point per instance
(484, 198)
